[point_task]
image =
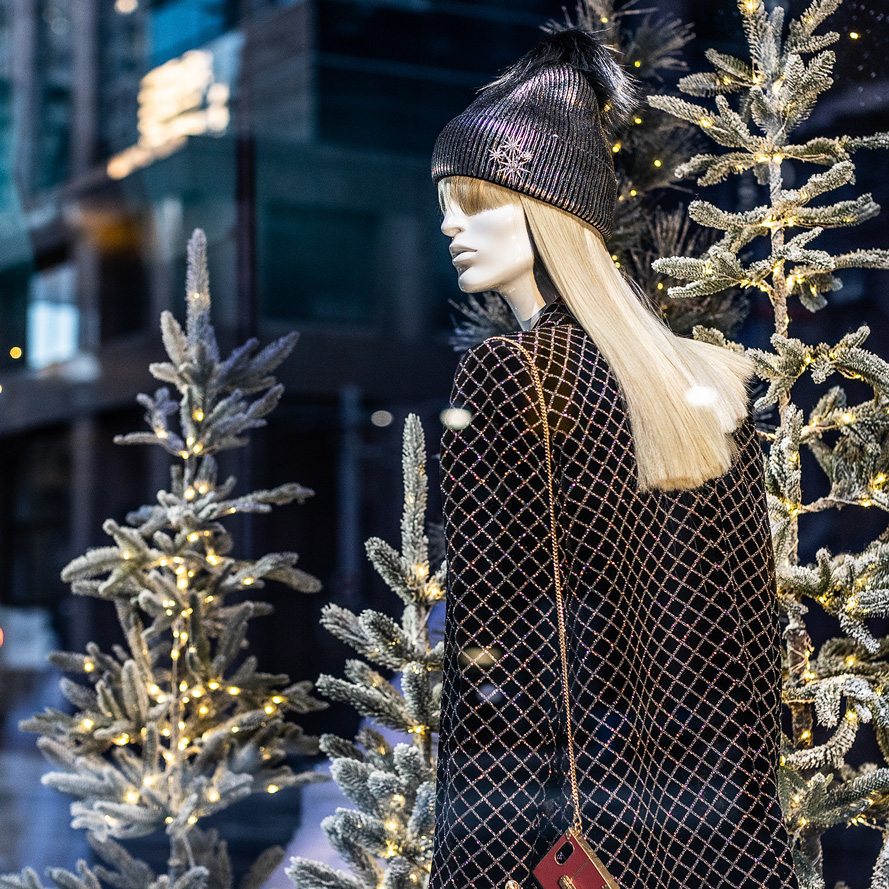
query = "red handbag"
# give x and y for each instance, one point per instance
(570, 863)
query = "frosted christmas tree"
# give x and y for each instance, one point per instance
(387, 839)
(179, 724)
(772, 249)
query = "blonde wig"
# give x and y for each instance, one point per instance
(684, 398)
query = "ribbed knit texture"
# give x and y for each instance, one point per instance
(542, 138)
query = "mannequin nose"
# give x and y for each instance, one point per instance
(453, 223)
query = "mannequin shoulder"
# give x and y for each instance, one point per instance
(499, 364)
(514, 354)
(522, 346)
(493, 351)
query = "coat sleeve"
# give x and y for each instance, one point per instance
(497, 534)
(753, 560)
(494, 475)
(500, 682)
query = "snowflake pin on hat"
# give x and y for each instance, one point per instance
(541, 128)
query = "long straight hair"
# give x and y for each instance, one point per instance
(684, 398)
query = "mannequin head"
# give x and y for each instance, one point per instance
(491, 246)
(511, 231)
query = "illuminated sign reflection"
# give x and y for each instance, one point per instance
(178, 99)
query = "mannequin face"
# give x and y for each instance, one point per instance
(491, 249)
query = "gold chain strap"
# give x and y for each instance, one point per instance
(556, 574)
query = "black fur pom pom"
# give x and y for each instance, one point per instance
(616, 92)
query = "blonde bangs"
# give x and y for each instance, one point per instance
(473, 195)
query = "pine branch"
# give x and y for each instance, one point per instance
(388, 840)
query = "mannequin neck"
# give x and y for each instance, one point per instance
(527, 295)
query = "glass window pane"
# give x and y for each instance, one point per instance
(314, 262)
(179, 25)
(53, 316)
(52, 137)
(14, 312)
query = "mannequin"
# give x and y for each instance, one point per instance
(659, 526)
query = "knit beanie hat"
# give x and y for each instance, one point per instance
(542, 127)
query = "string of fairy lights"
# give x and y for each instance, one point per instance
(196, 705)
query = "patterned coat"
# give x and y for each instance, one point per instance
(673, 641)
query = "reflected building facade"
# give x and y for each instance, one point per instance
(298, 136)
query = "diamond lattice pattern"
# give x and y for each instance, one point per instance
(673, 641)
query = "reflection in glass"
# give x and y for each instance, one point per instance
(53, 316)
(52, 136)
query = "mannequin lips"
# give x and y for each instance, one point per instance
(459, 253)
(462, 257)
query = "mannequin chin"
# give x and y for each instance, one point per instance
(492, 250)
